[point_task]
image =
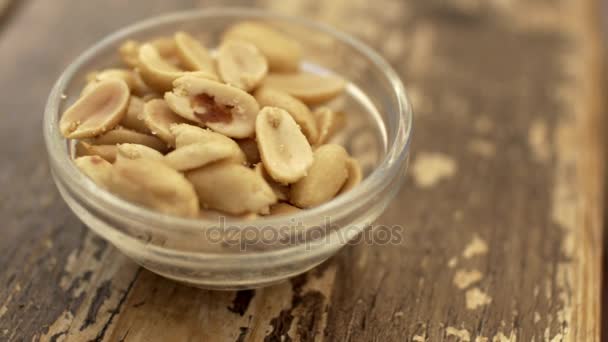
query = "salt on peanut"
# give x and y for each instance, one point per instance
(158, 118)
(231, 188)
(134, 117)
(283, 208)
(193, 55)
(107, 152)
(283, 54)
(308, 87)
(328, 123)
(325, 177)
(158, 73)
(96, 112)
(154, 185)
(280, 190)
(355, 175)
(241, 64)
(187, 135)
(299, 111)
(121, 135)
(198, 154)
(250, 148)
(224, 109)
(96, 168)
(284, 150)
(137, 151)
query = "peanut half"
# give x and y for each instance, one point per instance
(107, 152)
(122, 135)
(96, 112)
(198, 154)
(282, 53)
(154, 185)
(241, 64)
(193, 55)
(250, 149)
(187, 134)
(137, 151)
(298, 110)
(280, 190)
(308, 87)
(285, 152)
(283, 209)
(224, 109)
(232, 188)
(96, 168)
(134, 117)
(355, 175)
(128, 53)
(158, 118)
(328, 123)
(325, 177)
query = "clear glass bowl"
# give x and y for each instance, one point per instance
(233, 253)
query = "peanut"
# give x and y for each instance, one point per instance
(136, 151)
(283, 209)
(122, 135)
(133, 118)
(198, 154)
(241, 64)
(158, 117)
(309, 88)
(328, 123)
(193, 54)
(355, 175)
(187, 134)
(280, 190)
(96, 168)
(107, 152)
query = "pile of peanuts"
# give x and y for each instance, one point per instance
(239, 131)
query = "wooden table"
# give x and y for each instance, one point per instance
(502, 207)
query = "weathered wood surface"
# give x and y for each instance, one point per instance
(502, 209)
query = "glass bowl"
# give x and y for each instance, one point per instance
(237, 253)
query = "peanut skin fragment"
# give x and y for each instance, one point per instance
(96, 168)
(98, 111)
(309, 88)
(231, 188)
(325, 177)
(154, 185)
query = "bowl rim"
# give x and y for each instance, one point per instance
(66, 170)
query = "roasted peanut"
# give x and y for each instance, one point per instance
(250, 149)
(283, 209)
(280, 190)
(298, 110)
(193, 55)
(309, 88)
(282, 53)
(325, 177)
(328, 123)
(107, 152)
(187, 135)
(355, 175)
(231, 188)
(286, 153)
(134, 117)
(128, 53)
(122, 135)
(198, 154)
(241, 64)
(96, 112)
(158, 117)
(158, 72)
(96, 168)
(224, 109)
(136, 151)
(155, 185)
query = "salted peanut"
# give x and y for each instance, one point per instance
(123, 135)
(308, 87)
(98, 111)
(241, 64)
(355, 175)
(283, 54)
(325, 178)
(283, 209)
(224, 109)
(159, 73)
(192, 54)
(137, 151)
(134, 117)
(196, 155)
(232, 188)
(154, 185)
(286, 153)
(96, 168)
(328, 123)
(250, 149)
(187, 135)
(280, 190)
(107, 152)
(298, 110)
(128, 53)
(158, 117)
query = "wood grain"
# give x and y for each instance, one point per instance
(502, 210)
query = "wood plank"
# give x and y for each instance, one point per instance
(502, 209)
